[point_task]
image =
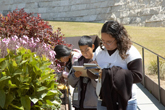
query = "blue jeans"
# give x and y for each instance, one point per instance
(99, 107)
(132, 105)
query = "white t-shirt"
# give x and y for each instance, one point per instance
(104, 60)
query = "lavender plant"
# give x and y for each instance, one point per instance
(40, 48)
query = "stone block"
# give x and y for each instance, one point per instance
(35, 10)
(101, 16)
(155, 10)
(64, 3)
(119, 3)
(6, 2)
(78, 13)
(74, 2)
(158, 17)
(133, 13)
(62, 14)
(124, 14)
(4, 7)
(155, 24)
(31, 5)
(126, 21)
(49, 4)
(89, 18)
(163, 3)
(54, 9)
(44, 15)
(135, 20)
(17, 1)
(111, 3)
(93, 5)
(116, 8)
(21, 5)
(78, 7)
(146, 2)
(93, 11)
(42, 10)
(104, 4)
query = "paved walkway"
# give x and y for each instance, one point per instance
(146, 101)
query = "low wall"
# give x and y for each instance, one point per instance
(128, 12)
(154, 89)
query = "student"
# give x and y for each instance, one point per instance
(84, 96)
(121, 65)
(67, 56)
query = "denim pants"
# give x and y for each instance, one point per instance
(132, 105)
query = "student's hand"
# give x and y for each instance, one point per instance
(78, 74)
(95, 62)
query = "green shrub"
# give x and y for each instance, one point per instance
(153, 68)
(27, 82)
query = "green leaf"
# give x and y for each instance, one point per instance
(17, 73)
(24, 61)
(25, 101)
(24, 86)
(18, 59)
(34, 99)
(41, 89)
(14, 63)
(15, 107)
(2, 59)
(3, 65)
(11, 85)
(9, 98)
(5, 78)
(2, 98)
(56, 103)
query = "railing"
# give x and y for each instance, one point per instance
(158, 56)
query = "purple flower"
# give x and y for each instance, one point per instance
(52, 54)
(37, 40)
(26, 37)
(6, 41)
(14, 38)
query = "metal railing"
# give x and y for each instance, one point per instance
(158, 56)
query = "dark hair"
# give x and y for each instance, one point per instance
(61, 51)
(85, 40)
(118, 32)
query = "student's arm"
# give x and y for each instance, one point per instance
(136, 68)
(72, 79)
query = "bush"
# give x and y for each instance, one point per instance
(153, 69)
(27, 83)
(40, 37)
(25, 77)
(14, 42)
(20, 23)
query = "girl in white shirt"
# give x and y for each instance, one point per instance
(116, 49)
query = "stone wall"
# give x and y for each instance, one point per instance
(128, 12)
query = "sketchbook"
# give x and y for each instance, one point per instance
(82, 69)
(93, 68)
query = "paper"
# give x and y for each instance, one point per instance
(75, 96)
(93, 68)
(82, 69)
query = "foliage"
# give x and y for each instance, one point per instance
(20, 23)
(30, 32)
(34, 45)
(27, 82)
(153, 68)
